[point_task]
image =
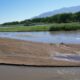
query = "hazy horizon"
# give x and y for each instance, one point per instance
(17, 10)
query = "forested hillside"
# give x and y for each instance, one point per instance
(58, 18)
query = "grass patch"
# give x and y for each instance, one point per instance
(24, 28)
(49, 27)
(65, 27)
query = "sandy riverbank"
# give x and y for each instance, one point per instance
(18, 52)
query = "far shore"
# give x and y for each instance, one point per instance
(27, 53)
(74, 26)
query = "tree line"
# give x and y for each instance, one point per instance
(58, 18)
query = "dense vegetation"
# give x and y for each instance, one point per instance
(65, 27)
(58, 18)
(58, 22)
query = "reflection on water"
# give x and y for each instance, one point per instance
(34, 73)
(47, 37)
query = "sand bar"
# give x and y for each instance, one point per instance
(17, 52)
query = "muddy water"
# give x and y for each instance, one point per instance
(34, 73)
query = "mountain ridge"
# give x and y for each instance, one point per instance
(72, 9)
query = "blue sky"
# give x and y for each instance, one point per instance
(13, 10)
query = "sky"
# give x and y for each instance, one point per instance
(17, 10)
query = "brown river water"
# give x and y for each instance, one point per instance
(39, 73)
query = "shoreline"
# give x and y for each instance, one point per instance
(32, 54)
(40, 66)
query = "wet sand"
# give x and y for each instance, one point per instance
(19, 52)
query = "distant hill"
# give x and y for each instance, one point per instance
(59, 11)
(63, 15)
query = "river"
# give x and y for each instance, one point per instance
(46, 37)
